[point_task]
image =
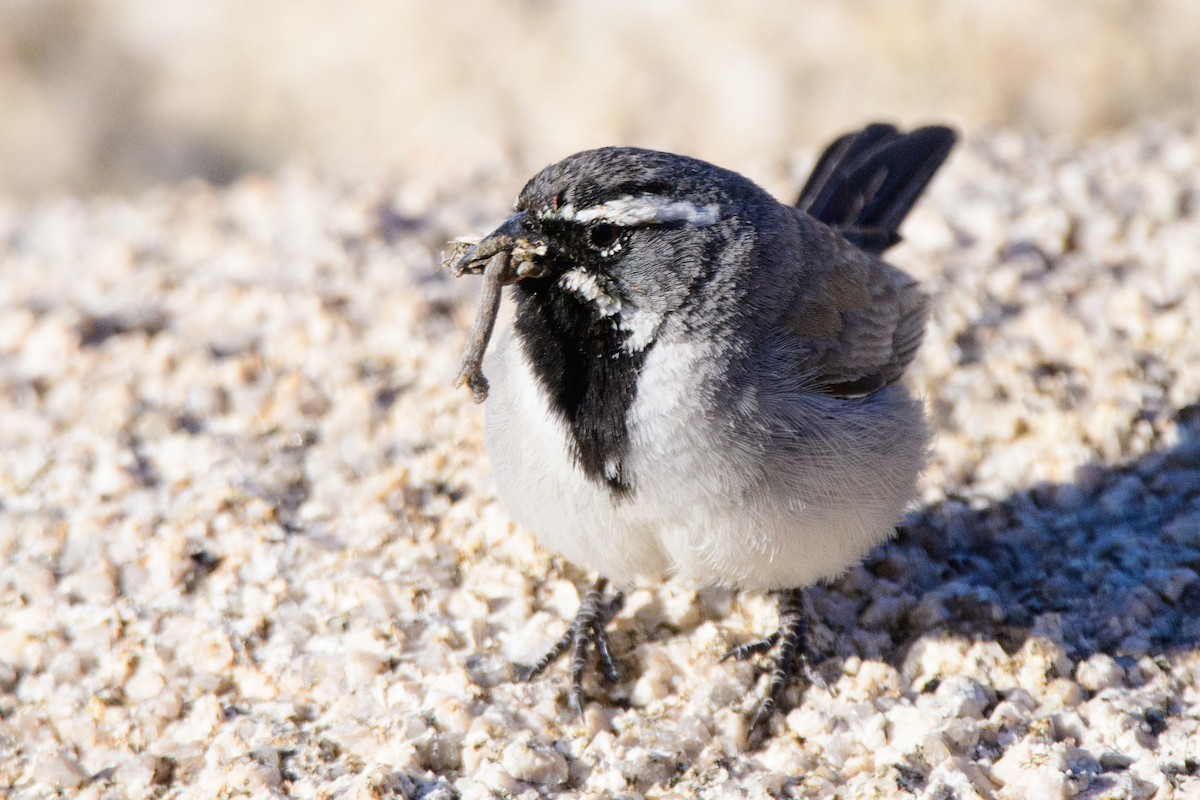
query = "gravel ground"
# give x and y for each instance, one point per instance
(251, 543)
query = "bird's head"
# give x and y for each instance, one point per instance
(619, 235)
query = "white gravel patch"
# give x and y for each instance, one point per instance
(250, 544)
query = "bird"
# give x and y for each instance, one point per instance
(700, 383)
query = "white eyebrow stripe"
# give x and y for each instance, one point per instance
(644, 209)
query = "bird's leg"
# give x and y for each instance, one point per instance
(587, 631)
(792, 641)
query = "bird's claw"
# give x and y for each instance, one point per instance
(585, 633)
(745, 651)
(793, 656)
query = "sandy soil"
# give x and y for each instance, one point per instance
(251, 545)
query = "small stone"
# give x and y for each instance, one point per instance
(535, 762)
(1100, 671)
(654, 684)
(60, 770)
(961, 778)
(1033, 768)
(962, 697)
(441, 754)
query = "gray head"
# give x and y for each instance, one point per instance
(610, 234)
(621, 225)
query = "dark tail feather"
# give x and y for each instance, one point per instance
(866, 182)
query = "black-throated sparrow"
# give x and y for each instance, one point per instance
(700, 382)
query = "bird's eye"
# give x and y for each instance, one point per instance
(603, 236)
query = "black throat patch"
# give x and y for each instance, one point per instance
(589, 376)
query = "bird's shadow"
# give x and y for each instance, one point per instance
(1107, 564)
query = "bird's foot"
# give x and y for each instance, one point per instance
(584, 633)
(793, 656)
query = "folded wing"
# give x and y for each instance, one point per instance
(860, 318)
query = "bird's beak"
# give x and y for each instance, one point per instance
(524, 248)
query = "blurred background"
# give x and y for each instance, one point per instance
(115, 95)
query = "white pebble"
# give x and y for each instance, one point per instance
(59, 770)
(1100, 671)
(535, 762)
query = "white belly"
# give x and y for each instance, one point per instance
(780, 505)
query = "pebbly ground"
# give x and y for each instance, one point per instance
(251, 544)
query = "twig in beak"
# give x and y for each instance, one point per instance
(470, 372)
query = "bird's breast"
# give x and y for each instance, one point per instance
(543, 483)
